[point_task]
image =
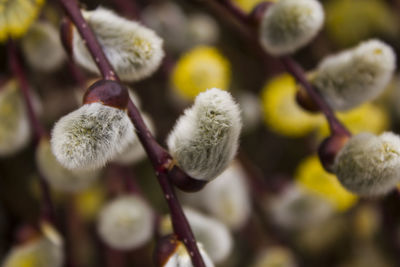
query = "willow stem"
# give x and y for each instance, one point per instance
(158, 156)
(298, 73)
(39, 131)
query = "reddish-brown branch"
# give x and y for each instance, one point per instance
(158, 156)
(18, 72)
(298, 73)
(72, 9)
(39, 131)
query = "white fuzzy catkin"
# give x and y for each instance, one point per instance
(133, 50)
(205, 138)
(58, 176)
(354, 76)
(369, 165)
(226, 198)
(181, 257)
(41, 252)
(289, 25)
(126, 223)
(90, 136)
(14, 123)
(42, 47)
(135, 151)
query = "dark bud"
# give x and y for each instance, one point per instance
(329, 148)
(66, 35)
(165, 248)
(305, 101)
(107, 92)
(183, 181)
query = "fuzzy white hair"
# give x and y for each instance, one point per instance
(90, 136)
(133, 50)
(126, 222)
(60, 178)
(369, 165)
(205, 138)
(135, 151)
(289, 25)
(355, 76)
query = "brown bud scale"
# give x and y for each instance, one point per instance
(107, 92)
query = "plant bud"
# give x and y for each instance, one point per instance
(58, 176)
(135, 151)
(289, 25)
(170, 252)
(40, 252)
(41, 41)
(107, 92)
(205, 139)
(14, 123)
(329, 148)
(126, 223)
(369, 165)
(354, 76)
(213, 234)
(133, 50)
(305, 101)
(90, 136)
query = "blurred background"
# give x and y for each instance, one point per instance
(294, 213)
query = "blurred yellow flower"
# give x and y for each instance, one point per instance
(313, 177)
(90, 201)
(282, 114)
(350, 21)
(248, 5)
(16, 16)
(366, 118)
(201, 68)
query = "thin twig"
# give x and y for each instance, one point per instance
(158, 156)
(17, 69)
(39, 131)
